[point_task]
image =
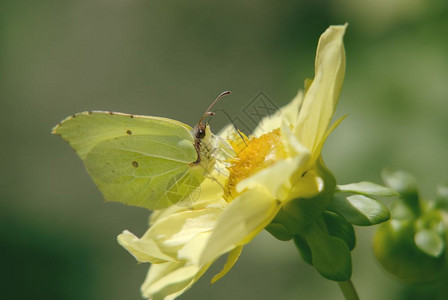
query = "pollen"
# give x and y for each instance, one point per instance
(254, 154)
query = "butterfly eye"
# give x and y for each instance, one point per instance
(200, 133)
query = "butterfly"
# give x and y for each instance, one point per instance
(145, 161)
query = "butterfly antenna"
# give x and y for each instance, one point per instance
(233, 123)
(207, 111)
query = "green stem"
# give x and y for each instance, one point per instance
(348, 289)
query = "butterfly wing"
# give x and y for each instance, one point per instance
(136, 160)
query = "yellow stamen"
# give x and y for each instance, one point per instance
(253, 155)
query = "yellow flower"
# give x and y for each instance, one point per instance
(277, 174)
(281, 168)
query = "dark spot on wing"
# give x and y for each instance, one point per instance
(135, 164)
(304, 173)
(129, 132)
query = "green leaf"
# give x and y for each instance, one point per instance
(429, 242)
(360, 210)
(339, 227)
(367, 189)
(330, 255)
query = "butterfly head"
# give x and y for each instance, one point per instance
(200, 130)
(202, 133)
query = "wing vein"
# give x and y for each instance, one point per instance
(158, 175)
(153, 155)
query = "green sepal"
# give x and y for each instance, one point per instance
(279, 231)
(304, 249)
(367, 189)
(290, 224)
(360, 210)
(429, 231)
(339, 227)
(330, 255)
(304, 211)
(429, 242)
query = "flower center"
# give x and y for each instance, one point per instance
(253, 155)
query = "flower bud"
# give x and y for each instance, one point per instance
(412, 244)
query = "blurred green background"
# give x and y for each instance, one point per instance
(171, 58)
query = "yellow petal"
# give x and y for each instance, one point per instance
(142, 250)
(231, 260)
(244, 218)
(287, 114)
(181, 228)
(329, 130)
(211, 191)
(192, 250)
(168, 280)
(322, 95)
(210, 195)
(227, 132)
(291, 144)
(308, 185)
(275, 179)
(167, 236)
(163, 213)
(221, 149)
